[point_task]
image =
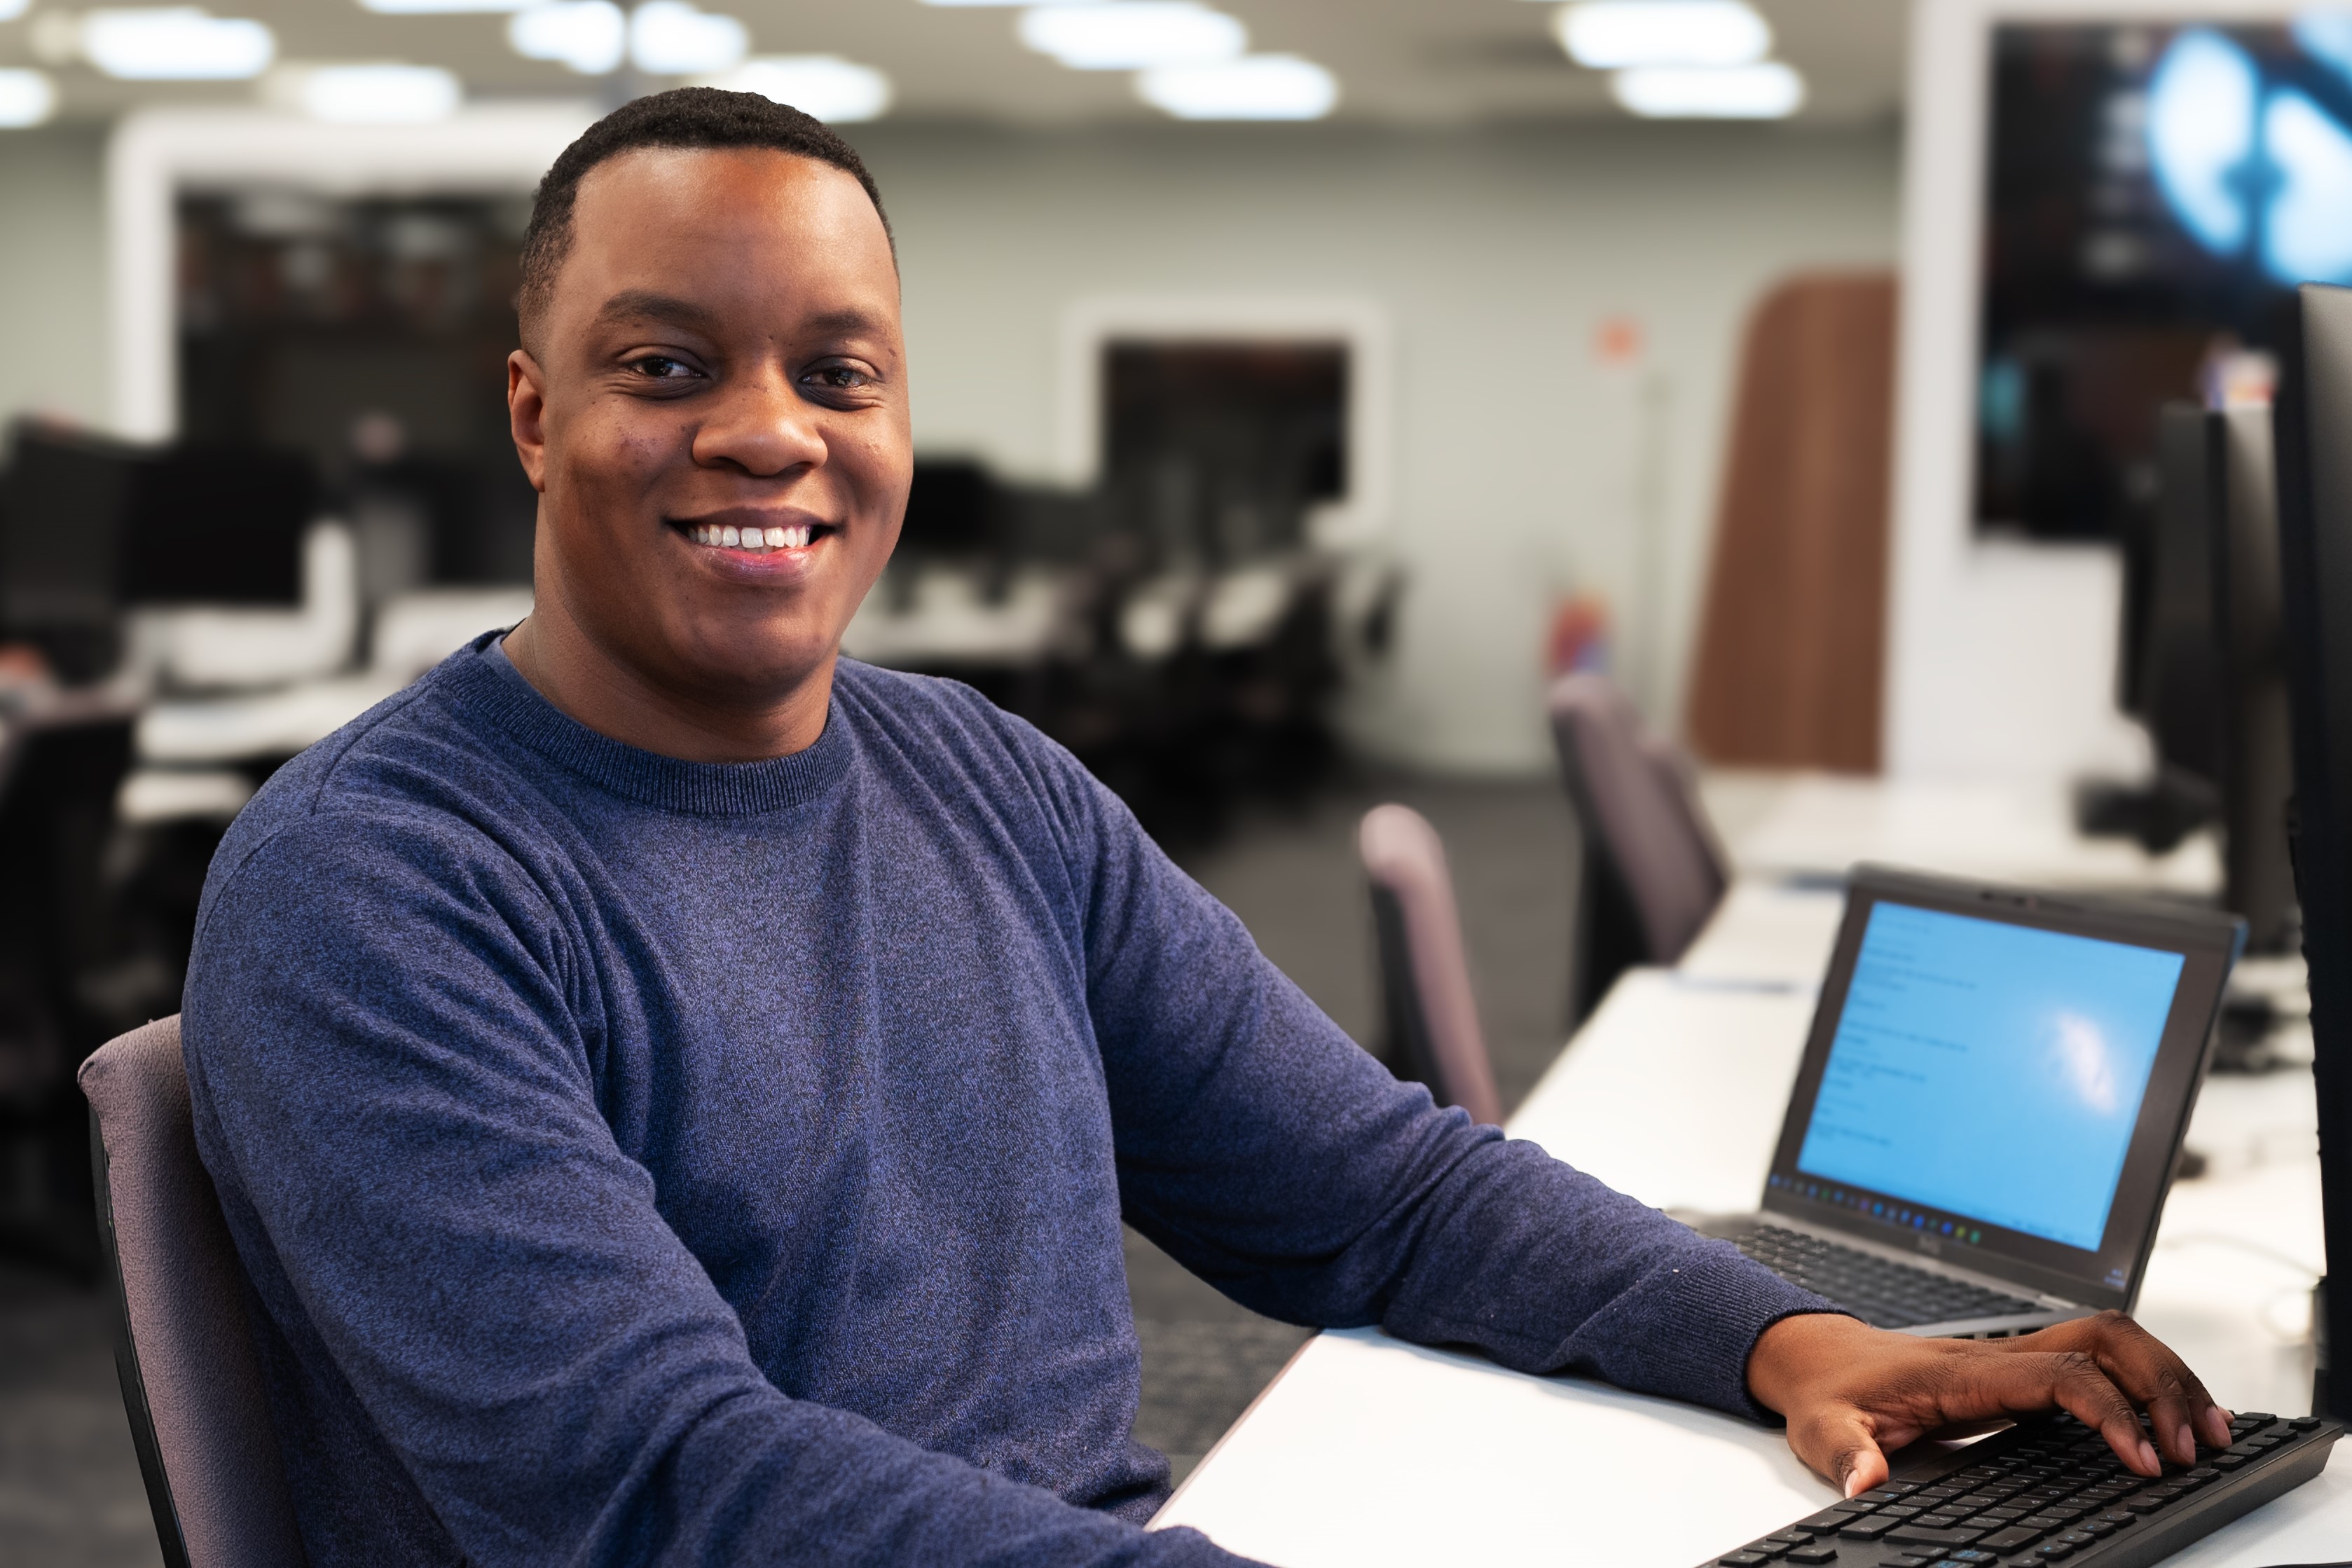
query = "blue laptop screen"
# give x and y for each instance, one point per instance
(1990, 1069)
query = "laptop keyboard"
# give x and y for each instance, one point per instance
(1884, 1294)
(2048, 1490)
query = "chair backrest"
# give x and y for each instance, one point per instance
(191, 1383)
(1648, 858)
(1432, 1018)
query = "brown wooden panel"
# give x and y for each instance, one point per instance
(1793, 641)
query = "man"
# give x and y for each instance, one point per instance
(676, 1092)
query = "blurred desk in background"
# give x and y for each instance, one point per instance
(1369, 1451)
(1818, 824)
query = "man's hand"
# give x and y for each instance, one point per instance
(1852, 1392)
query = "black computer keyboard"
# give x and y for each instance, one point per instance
(2045, 1491)
(1882, 1293)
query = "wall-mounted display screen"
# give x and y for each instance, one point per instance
(2154, 192)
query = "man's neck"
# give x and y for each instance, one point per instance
(585, 683)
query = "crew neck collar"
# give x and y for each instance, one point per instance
(485, 680)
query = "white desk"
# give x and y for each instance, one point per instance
(1367, 1451)
(1820, 824)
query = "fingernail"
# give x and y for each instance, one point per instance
(2148, 1456)
(2186, 1442)
(1853, 1484)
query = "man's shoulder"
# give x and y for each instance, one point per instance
(417, 762)
(944, 716)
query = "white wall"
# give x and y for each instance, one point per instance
(1518, 460)
(52, 277)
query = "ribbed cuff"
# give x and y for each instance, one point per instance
(1709, 1312)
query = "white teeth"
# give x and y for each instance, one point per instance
(794, 538)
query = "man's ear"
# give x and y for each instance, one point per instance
(526, 414)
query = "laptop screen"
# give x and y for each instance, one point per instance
(1990, 1070)
(2000, 1079)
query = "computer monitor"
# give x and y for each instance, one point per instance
(62, 501)
(950, 509)
(2257, 762)
(2180, 683)
(2313, 434)
(216, 525)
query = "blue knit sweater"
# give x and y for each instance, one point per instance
(639, 1161)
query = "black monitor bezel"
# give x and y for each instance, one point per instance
(2209, 942)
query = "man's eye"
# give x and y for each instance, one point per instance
(840, 377)
(661, 367)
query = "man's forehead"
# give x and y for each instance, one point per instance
(725, 183)
(650, 220)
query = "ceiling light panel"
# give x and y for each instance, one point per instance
(671, 38)
(1612, 34)
(175, 43)
(379, 94)
(443, 7)
(12, 9)
(835, 90)
(1132, 35)
(589, 36)
(1769, 90)
(1255, 87)
(27, 98)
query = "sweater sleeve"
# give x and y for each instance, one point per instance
(391, 1056)
(1260, 1147)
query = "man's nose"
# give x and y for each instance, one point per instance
(760, 425)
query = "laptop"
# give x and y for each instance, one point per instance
(1991, 1104)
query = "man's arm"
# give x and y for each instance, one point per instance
(1268, 1153)
(1264, 1151)
(390, 1050)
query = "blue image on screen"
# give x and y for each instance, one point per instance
(1990, 1070)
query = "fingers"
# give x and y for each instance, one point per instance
(1839, 1443)
(2028, 1380)
(2144, 1368)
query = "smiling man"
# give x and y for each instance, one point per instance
(676, 1092)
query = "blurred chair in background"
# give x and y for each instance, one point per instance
(191, 1384)
(68, 978)
(1791, 647)
(1431, 1016)
(1650, 871)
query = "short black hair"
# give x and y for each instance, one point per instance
(682, 117)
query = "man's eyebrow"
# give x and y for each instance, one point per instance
(642, 304)
(851, 319)
(639, 304)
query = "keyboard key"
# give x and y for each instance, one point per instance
(1810, 1554)
(1742, 1559)
(2306, 1423)
(1968, 1554)
(1913, 1533)
(2011, 1539)
(1866, 1529)
(2051, 1552)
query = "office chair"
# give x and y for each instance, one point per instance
(192, 1383)
(1651, 868)
(1431, 1016)
(65, 976)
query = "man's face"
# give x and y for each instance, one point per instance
(716, 417)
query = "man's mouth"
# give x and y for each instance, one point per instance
(730, 536)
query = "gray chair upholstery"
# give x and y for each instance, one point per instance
(1652, 871)
(1432, 1016)
(191, 1383)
